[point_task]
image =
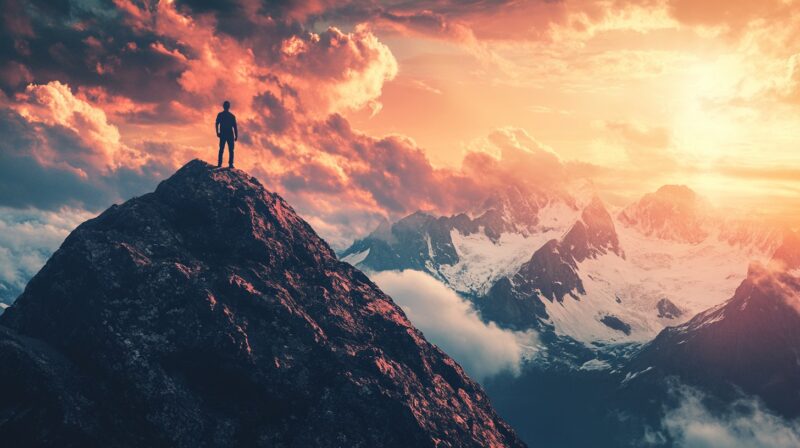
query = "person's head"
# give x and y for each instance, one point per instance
(226, 105)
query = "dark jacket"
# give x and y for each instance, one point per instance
(226, 124)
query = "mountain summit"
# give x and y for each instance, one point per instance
(208, 313)
(673, 212)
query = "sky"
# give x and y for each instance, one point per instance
(358, 111)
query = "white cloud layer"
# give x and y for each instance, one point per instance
(27, 239)
(746, 425)
(450, 322)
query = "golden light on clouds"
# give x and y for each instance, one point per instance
(369, 110)
(681, 92)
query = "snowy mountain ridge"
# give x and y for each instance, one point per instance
(656, 263)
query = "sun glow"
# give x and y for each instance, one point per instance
(704, 127)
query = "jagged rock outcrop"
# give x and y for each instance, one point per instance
(208, 313)
(411, 243)
(552, 272)
(615, 323)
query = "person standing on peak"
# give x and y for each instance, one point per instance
(227, 133)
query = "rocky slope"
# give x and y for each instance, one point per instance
(750, 342)
(208, 313)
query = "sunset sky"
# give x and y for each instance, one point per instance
(356, 111)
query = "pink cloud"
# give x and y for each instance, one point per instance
(288, 91)
(54, 105)
(335, 71)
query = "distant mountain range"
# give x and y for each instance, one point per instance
(564, 262)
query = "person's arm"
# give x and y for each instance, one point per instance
(216, 125)
(235, 130)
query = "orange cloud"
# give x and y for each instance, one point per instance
(53, 104)
(334, 71)
(327, 115)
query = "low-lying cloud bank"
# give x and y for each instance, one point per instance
(27, 239)
(450, 322)
(745, 424)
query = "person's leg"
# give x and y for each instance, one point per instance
(221, 151)
(230, 151)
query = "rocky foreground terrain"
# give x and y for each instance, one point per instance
(208, 313)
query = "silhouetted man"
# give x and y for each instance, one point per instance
(227, 133)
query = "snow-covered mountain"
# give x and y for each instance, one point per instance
(564, 263)
(551, 275)
(751, 341)
(469, 251)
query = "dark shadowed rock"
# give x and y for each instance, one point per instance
(208, 313)
(615, 323)
(668, 310)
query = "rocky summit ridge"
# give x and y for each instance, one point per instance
(208, 313)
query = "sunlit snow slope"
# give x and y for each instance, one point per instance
(676, 258)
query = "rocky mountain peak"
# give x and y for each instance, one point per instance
(673, 212)
(679, 194)
(552, 272)
(208, 313)
(594, 234)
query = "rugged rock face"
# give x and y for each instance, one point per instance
(411, 243)
(594, 234)
(751, 342)
(552, 272)
(208, 313)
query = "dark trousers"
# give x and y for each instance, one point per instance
(222, 140)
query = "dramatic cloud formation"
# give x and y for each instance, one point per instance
(450, 322)
(745, 425)
(510, 155)
(50, 165)
(334, 71)
(54, 106)
(359, 111)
